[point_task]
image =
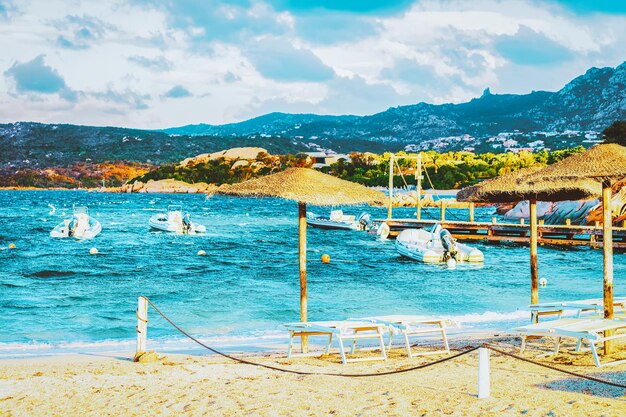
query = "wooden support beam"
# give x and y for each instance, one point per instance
(443, 210)
(607, 245)
(302, 262)
(142, 327)
(534, 268)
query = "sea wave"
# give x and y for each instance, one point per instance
(491, 317)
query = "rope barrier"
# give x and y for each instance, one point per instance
(291, 371)
(554, 368)
(397, 371)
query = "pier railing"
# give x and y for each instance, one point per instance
(494, 231)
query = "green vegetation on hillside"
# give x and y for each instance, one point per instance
(616, 133)
(445, 170)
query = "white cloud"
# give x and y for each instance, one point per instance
(121, 57)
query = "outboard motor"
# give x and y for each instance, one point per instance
(186, 223)
(448, 243)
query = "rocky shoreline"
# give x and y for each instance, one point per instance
(167, 186)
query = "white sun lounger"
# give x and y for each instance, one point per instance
(342, 330)
(586, 330)
(408, 325)
(559, 307)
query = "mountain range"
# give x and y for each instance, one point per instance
(541, 119)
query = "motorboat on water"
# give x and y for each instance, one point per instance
(80, 226)
(175, 221)
(337, 220)
(435, 246)
(379, 230)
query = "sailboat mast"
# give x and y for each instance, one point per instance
(418, 177)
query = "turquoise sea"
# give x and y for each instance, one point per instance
(55, 297)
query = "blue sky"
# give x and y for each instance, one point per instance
(161, 63)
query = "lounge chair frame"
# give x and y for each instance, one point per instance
(340, 330)
(407, 325)
(587, 330)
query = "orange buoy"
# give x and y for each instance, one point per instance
(12, 246)
(325, 258)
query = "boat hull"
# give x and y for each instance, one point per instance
(61, 230)
(421, 246)
(160, 222)
(332, 225)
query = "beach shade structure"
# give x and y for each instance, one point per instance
(305, 186)
(604, 164)
(514, 187)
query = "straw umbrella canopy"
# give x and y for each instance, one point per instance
(513, 187)
(305, 186)
(604, 164)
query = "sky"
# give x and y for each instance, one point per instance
(162, 63)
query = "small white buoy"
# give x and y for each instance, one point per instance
(543, 282)
(201, 253)
(93, 251)
(451, 263)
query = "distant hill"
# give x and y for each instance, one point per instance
(493, 122)
(590, 102)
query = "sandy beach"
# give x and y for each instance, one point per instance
(208, 385)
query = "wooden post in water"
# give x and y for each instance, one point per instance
(142, 327)
(534, 269)
(302, 262)
(607, 245)
(443, 210)
(390, 208)
(471, 212)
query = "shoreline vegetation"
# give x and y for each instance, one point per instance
(449, 170)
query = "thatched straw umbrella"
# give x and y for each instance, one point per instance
(512, 187)
(604, 164)
(306, 186)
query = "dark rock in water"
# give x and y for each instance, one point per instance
(48, 273)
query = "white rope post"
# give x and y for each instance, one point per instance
(142, 326)
(483, 373)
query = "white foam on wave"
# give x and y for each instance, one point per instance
(491, 317)
(253, 342)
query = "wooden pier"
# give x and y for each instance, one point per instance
(562, 235)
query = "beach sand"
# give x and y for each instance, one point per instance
(99, 385)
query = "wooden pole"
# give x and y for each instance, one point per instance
(471, 212)
(142, 327)
(418, 174)
(534, 269)
(390, 208)
(443, 210)
(302, 262)
(607, 245)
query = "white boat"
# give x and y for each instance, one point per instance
(379, 230)
(175, 221)
(80, 226)
(436, 246)
(337, 220)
